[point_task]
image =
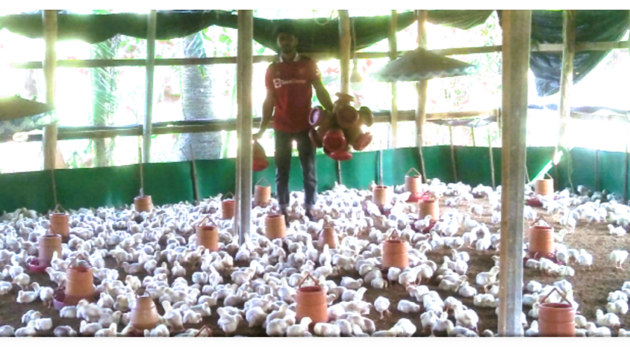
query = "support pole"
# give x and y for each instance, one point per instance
(393, 51)
(147, 129)
(453, 161)
(472, 134)
(244, 74)
(491, 159)
(50, 67)
(597, 170)
(516, 46)
(345, 40)
(566, 78)
(421, 87)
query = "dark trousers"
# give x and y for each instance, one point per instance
(282, 157)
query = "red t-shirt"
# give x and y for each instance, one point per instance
(292, 82)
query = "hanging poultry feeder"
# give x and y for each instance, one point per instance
(59, 223)
(260, 162)
(143, 203)
(262, 194)
(328, 236)
(48, 245)
(275, 226)
(208, 235)
(544, 186)
(429, 206)
(556, 319)
(379, 195)
(395, 252)
(227, 208)
(79, 285)
(541, 240)
(144, 314)
(413, 184)
(311, 302)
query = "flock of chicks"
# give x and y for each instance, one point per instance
(255, 284)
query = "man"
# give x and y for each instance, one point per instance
(290, 81)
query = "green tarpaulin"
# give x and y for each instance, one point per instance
(171, 182)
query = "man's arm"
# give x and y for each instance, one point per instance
(267, 113)
(322, 94)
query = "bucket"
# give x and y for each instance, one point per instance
(395, 252)
(544, 186)
(262, 194)
(412, 183)
(541, 240)
(379, 195)
(556, 319)
(208, 235)
(311, 302)
(144, 314)
(48, 245)
(328, 236)
(59, 223)
(429, 206)
(79, 282)
(275, 226)
(227, 208)
(143, 203)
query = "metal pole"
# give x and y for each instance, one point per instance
(148, 105)
(244, 76)
(50, 67)
(516, 47)
(393, 51)
(421, 87)
(472, 130)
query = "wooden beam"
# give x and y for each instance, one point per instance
(393, 50)
(345, 41)
(104, 63)
(566, 76)
(516, 44)
(147, 128)
(214, 125)
(50, 67)
(421, 87)
(244, 75)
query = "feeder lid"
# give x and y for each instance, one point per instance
(341, 155)
(316, 116)
(312, 134)
(422, 64)
(260, 164)
(363, 141)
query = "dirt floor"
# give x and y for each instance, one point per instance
(591, 287)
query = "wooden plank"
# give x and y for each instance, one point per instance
(393, 50)
(516, 44)
(421, 88)
(50, 67)
(244, 74)
(566, 76)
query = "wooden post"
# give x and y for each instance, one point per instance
(516, 47)
(453, 161)
(491, 159)
(472, 133)
(244, 75)
(393, 51)
(566, 78)
(345, 40)
(148, 107)
(421, 87)
(50, 67)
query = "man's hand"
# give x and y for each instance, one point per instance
(258, 135)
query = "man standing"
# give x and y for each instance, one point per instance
(289, 82)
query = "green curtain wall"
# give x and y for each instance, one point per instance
(171, 182)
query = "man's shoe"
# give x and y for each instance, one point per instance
(309, 215)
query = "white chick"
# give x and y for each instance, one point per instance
(381, 305)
